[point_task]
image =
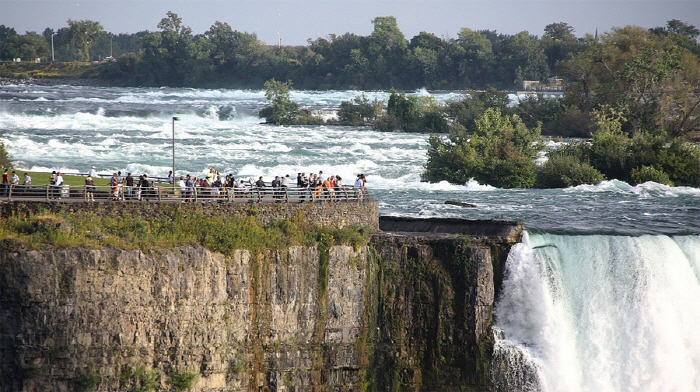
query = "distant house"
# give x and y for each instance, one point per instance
(551, 84)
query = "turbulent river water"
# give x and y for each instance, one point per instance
(603, 294)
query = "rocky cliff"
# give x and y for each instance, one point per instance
(407, 312)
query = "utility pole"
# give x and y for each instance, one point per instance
(174, 119)
(53, 57)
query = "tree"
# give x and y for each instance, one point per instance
(558, 41)
(478, 57)
(26, 46)
(524, 59)
(83, 35)
(282, 109)
(648, 76)
(5, 161)
(500, 152)
(675, 26)
(5, 33)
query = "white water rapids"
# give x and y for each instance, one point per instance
(601, 313)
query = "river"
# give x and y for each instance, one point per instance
(602, 295)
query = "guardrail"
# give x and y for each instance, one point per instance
(249, 194)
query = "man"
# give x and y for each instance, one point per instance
(358, 186)
(59, 182)
(129, 182)
(183, 188)
(15, 178)
(275, 187)
(260, 184)
(92, 172)
(27, 179)
(143, 186)
(190, 187)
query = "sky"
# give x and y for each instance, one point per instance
(296, 21)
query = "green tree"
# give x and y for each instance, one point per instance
(26, 46)
(477, 59)
(282, 110)
(5, 161)
(500, 152)
(83, 35)
(5, 33)
(558, 42)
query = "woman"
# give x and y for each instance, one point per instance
(89, 189)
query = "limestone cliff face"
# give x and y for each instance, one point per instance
(406, 313)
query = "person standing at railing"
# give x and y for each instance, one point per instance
(171, 178)
(89, 189)
(189, 184)
(284, 184)
(27, 179)
(114, 183)
(129, 182)
(58, 184)
(92, 172)
(5, 183)
(358, 186)
(143, 187)
(14, 180)
(260, 185)
(275, 187)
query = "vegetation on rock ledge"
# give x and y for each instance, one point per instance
(223, 234)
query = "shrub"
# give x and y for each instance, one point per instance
(282, 110)
(500, 152)
(88, 380)
(184, 380)
(359, 111)
(650, 173)
(562, 171)
(682, 163)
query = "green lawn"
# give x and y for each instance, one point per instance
(41, 178)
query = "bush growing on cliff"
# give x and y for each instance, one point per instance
(183, 380)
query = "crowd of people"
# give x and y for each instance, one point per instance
(213, 184)
(312, 185)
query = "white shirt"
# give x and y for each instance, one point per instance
(358, 183)
(59, 180)
(284, 181)
(92, 173)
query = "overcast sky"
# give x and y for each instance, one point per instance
(298, 20)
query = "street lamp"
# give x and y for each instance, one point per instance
(174, 119)
(53, 57)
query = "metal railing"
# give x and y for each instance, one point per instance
(121, 193)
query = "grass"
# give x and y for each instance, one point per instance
(223, 234)
(42, 178)
(50, 70)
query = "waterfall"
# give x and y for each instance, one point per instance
(600, 313)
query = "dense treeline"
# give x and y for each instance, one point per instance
(224, 57)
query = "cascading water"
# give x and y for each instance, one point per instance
(600, 313)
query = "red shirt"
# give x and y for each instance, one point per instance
(5, 178)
